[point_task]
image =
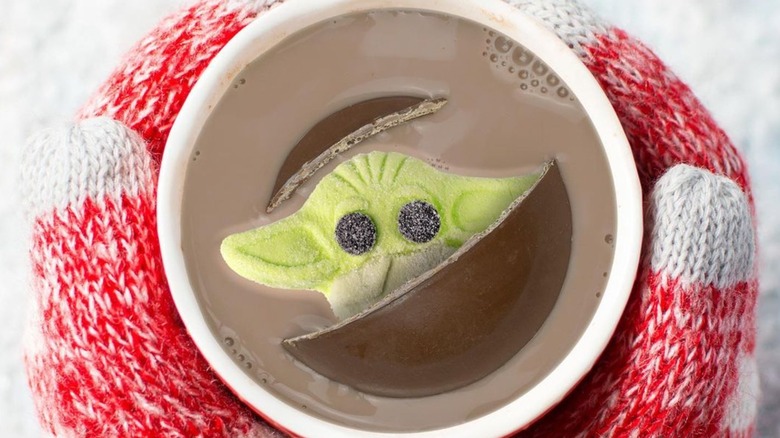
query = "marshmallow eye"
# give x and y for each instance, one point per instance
(419, 222)
(356, 233)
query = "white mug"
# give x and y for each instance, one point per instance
(286, 19)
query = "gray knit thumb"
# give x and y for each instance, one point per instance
(93, 158)
(702, 231)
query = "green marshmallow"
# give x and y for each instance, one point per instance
(304, 250)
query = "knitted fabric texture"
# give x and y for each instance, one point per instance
(107, 354)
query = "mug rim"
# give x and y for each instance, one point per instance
(271, 29)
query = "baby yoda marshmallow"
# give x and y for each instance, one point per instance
(375, 222)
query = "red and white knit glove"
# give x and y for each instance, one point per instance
(108, 356)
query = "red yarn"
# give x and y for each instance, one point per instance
(664, 121)
(120, 350)
(148, 90)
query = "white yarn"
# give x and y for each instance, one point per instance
(95, 158)
(255, 5)
(743, 407)
(702, 232)
(573, 23)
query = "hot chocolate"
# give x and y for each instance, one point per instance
(507, 114)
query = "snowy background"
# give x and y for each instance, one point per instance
(53, 53)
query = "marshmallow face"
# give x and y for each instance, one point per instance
(371, 225)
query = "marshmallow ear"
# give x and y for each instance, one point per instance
(479, 202)
(475, 210)
(284, 255)
(702, 232)
(94, 159)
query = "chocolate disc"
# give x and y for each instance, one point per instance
(464, 319)
(341, 131)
